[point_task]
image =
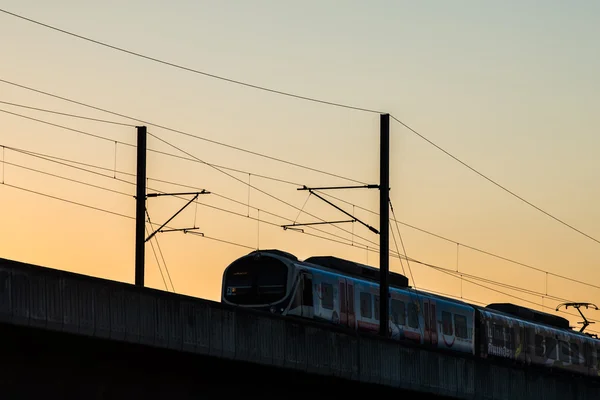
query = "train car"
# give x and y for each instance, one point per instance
(346, 293)
(532, 337)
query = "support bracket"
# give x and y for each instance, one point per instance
(160, 229)
(354, 219)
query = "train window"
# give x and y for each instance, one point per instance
(564, 350)
(343, 308)
(460, 323)
(365, 305)
(426, 315)
(350, 299)
(327, 296)
(540, 346)
(498, 335)
(398, 312)
(307, 294)
(376, 307)
(551, 348)
(575, 354)
(587, 354)
(413, 316)
(447, 323)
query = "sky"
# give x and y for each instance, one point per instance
(509, 88)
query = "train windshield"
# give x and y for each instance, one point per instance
(256, 281)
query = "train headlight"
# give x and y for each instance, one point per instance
(273, 310)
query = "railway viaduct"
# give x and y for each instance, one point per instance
(66, 335)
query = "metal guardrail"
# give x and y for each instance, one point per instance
(63, 301)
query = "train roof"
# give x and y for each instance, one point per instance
(280, 253)
(356, 269)
(530, 315)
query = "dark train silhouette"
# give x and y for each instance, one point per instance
(347, 293)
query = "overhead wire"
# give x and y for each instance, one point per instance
(291, 183)
(65, 162)
(300, 97)
(250, 185)
(528, 266)
(313, 169)
(440, 269)
(493, 181)
(295, 96)
(196, 71)
(509, 295)
(183, 132)
(161, 253)
(157, 262)
(394, 219)
(66, 114)
(526, 291)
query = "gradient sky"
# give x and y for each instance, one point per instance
(511, 88)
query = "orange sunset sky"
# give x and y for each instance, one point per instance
(510, 88)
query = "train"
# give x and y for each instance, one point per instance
(346, 293)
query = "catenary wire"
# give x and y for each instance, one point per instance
(161, 253)
(350, 179)
(183, 133)
(263, 88)
(67, 114)
(65, 163)
(470, 247)
(157, 262)
(238, 202)
(440, 269)
(290, 95)
(250, 185)
(493, 181)
(224, 210)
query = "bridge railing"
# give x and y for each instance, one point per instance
(73, 303)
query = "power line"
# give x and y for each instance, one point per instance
(67, 179)
(493, 181)
(510, 295)
(109, 212)
(470, 247)
(65, 161)
(191, 69)
(250, 185)
(286, 219)
(62, 126)
(161, 254)
(67, 201)
(482, 303)
(295, 96)
(42, 156)
(184, 133)
(67, 114)
(157, 262)
(440, 269)
(402, 242)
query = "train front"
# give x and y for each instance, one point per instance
(258, 280)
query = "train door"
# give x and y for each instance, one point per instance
(426, 319)
(433, 324)
(307, 297)
(430, 331)
(351, 309)
(343, 303)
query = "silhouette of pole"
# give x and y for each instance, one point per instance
(140, 207)
(384, 232)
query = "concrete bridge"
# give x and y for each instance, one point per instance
(83, 337)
